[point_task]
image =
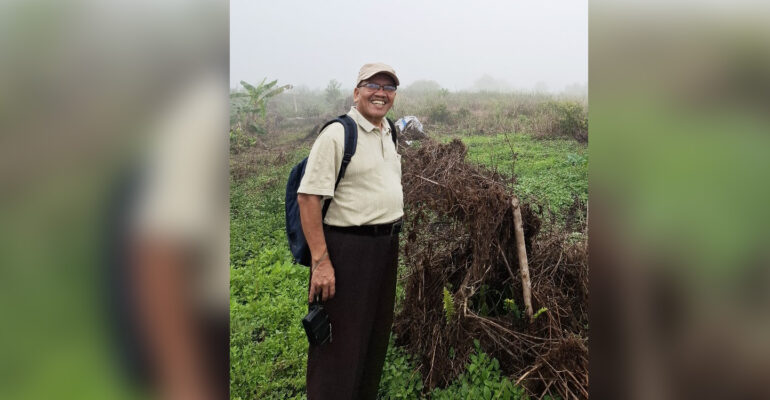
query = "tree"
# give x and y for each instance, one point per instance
(333, 92)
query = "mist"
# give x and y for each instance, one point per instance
(491, 45)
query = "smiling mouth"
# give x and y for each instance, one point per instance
(378, 102)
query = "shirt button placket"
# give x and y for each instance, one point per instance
(382, 143)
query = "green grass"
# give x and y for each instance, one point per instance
(550, 172)
(268, 348)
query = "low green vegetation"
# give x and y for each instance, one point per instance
(268, 348)
(267, 343)
(482, 379)
(548, 172)
(400, 379)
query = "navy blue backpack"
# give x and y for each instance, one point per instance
(297, 243)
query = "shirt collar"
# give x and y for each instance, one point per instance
(364, 123)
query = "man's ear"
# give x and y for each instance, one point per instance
(355, 95)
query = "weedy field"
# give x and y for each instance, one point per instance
(268, 292)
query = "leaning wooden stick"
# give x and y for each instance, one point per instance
(522, 252)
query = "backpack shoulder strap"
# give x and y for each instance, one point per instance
(351, 141)
(393, 132)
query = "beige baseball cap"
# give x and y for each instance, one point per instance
(372, 69)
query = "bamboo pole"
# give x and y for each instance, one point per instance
(522, 252)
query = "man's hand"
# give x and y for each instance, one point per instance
(322, 280)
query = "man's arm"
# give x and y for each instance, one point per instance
(321, 270)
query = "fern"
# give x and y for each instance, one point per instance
(449, 305)
(540, 311)
(511, 306)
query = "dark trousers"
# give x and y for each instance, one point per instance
(361, 314)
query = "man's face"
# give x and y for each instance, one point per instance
(374, 104)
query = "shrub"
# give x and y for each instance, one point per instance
(239, 140)
(439, 114)
(572, 119)
(463, 113)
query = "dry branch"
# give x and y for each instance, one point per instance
(526, 284)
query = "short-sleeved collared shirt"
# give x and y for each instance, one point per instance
(370, 193)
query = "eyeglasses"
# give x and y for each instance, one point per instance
(375, 87)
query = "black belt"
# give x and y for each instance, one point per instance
(391, 229)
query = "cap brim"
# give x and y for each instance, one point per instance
(388, 73)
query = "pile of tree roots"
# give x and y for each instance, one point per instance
(462, 280)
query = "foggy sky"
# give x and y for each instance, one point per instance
(452, 42)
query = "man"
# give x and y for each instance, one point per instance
(354, 249)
